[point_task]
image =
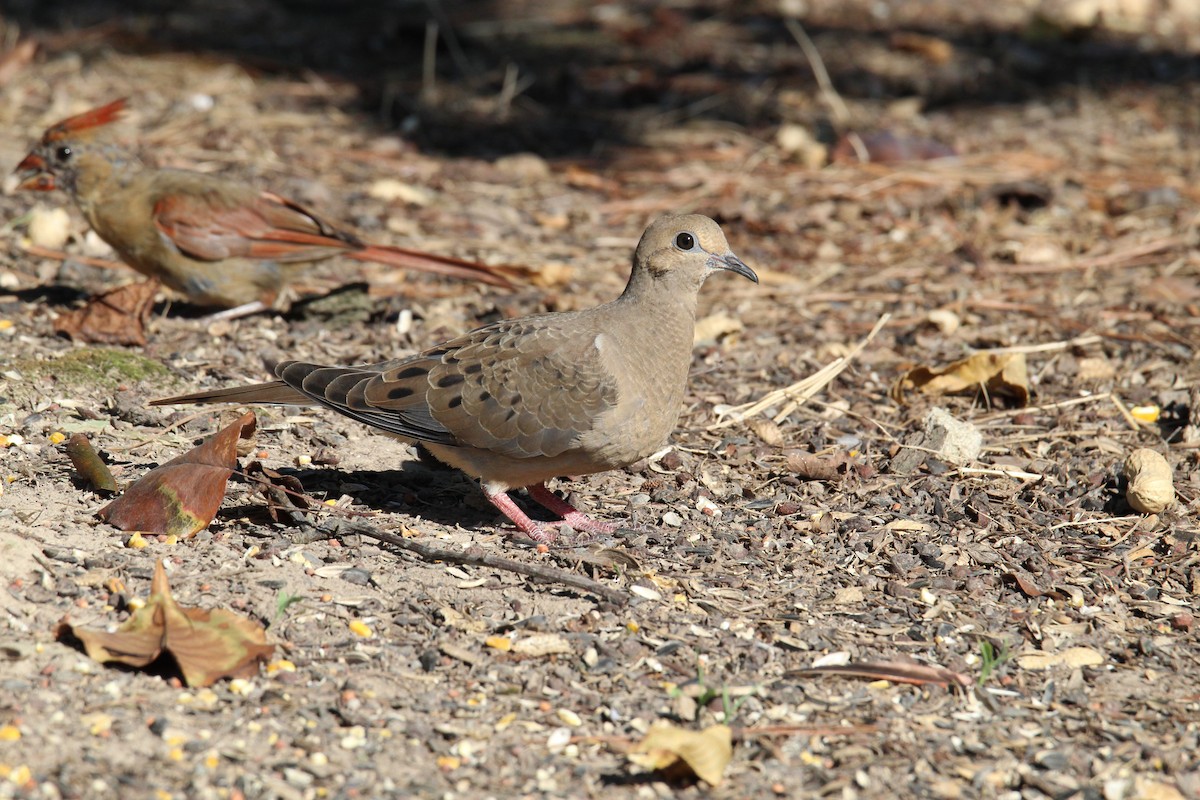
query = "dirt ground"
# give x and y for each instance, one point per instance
(1064, 228)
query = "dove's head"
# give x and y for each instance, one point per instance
(684, 249)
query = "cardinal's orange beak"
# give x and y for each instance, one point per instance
(39, 179)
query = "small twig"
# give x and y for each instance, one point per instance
(474, 556)
(741, 734)
(1048, 347)
(1007, 473)
(841, 113)
(1075, 401)
(838, 106)
(1130, 420)
(798, 393)
(58, 255)
(429, 62)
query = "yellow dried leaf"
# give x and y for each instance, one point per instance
(502, 643)
(360, 628)
(996, 373)
(706, 753)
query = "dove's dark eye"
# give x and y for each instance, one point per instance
(685, 241)
(63, 153)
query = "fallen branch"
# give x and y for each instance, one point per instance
(474, 556)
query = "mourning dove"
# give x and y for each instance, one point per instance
(523, 400)
(215, 241)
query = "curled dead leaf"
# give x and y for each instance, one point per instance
(182, 496)
(997, 374)
(117, 316)
(706, 754)
(713, 328)
(207, 645)
(813, 467)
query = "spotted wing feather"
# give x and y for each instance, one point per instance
(520, 388)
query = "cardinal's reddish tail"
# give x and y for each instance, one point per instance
(427, 262)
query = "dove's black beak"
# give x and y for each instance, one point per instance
(732, 263)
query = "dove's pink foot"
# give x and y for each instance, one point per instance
(570, 515)
(542, 532)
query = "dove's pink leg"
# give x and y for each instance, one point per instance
(538, 531)
(541, 531)
(570, 515)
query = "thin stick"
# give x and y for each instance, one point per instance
(429, 62)
(841, 113)
(1048, 347)
(1007, 473)
(1129, 418)
(58, 255)
(798, 393)
(474, 556)
(838, 106)
(1075, 401)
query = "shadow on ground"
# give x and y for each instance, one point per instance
(575, 79)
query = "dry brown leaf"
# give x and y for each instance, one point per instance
(1071, 657)
(767, 430)
(117, 316)
(705, 753)
(813, 467)
(886, 147)
(998, 374)
(206, 645)
(715, 327)
(182, 496)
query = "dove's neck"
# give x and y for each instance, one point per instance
(658, 311)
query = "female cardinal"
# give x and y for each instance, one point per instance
(216, 241)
